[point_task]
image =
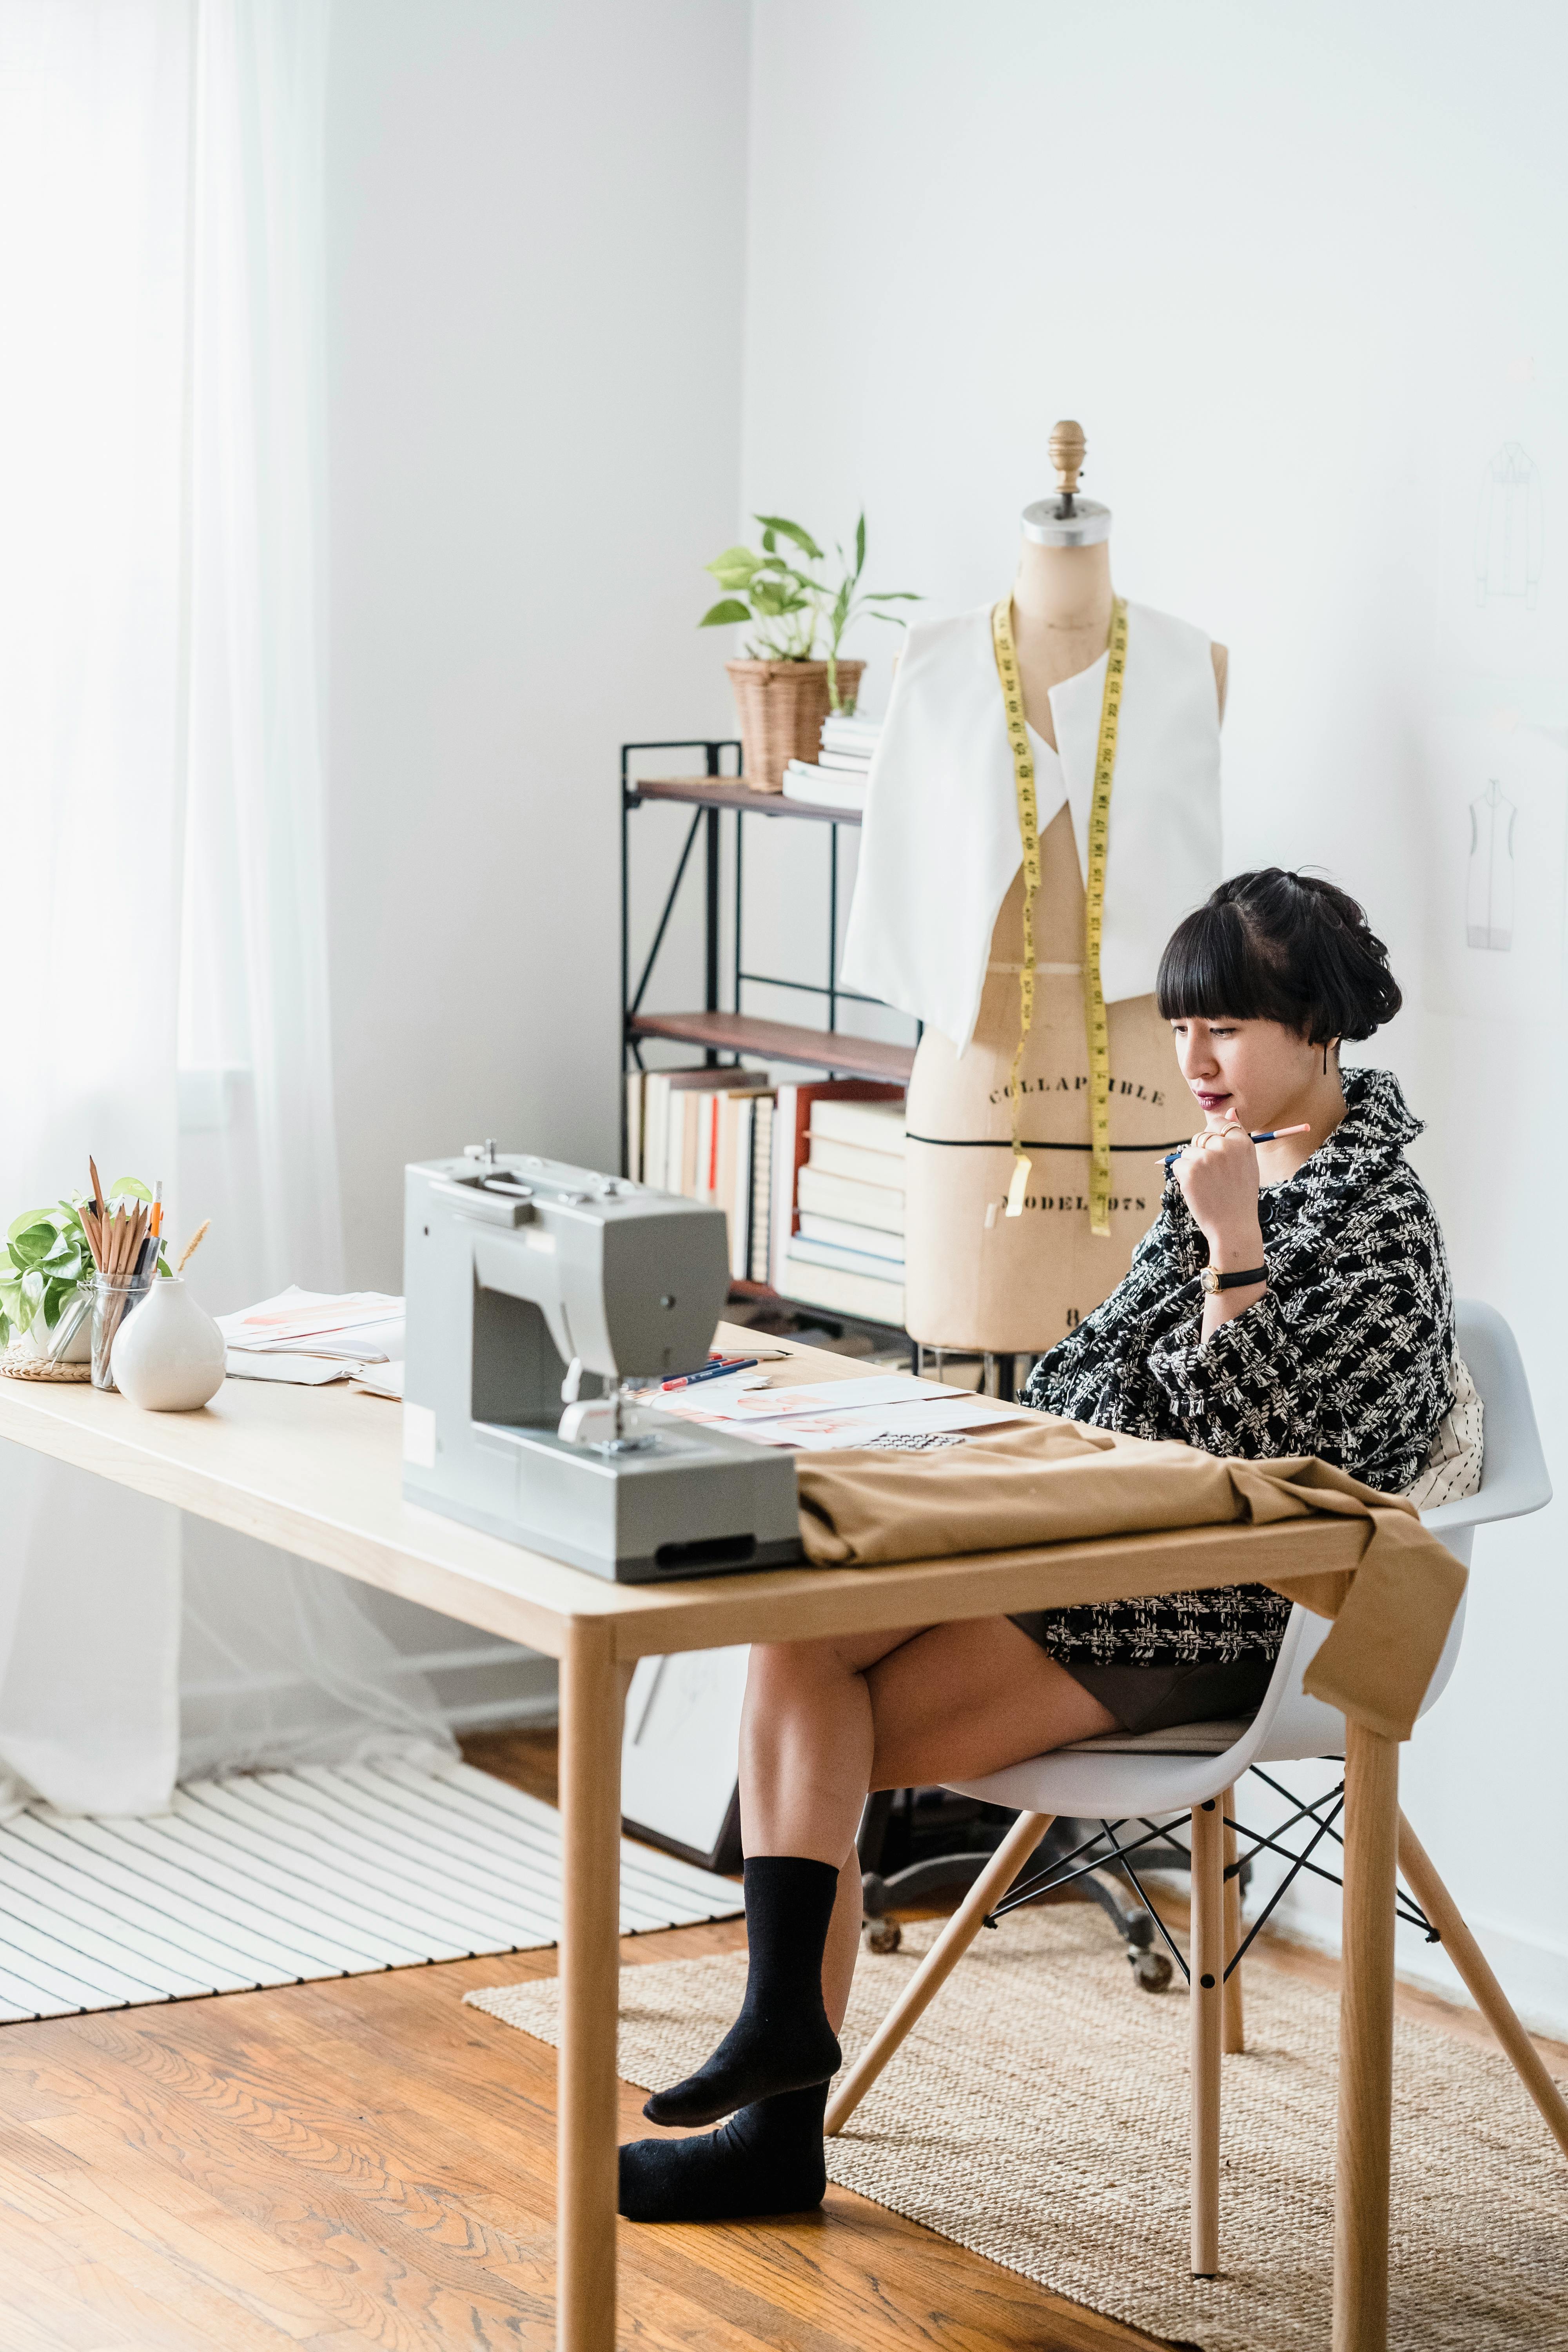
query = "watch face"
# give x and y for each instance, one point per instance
(1211, 1279)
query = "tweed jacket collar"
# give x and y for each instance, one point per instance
(1301, 1212)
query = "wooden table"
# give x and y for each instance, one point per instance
(316, 1472)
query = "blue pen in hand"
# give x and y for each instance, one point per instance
(1268, 1136)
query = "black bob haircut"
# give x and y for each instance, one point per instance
(1273, 946)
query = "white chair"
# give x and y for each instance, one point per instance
(1193, 1770)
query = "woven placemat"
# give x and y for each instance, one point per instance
(22, 1365)
(1038, 2116)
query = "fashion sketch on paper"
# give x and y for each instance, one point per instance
(1510, 527)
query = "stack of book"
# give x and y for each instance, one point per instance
(696, 1132)
(847, 1252)
(810, 1177)
(838, 779)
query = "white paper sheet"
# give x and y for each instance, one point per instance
(831, 1413)
(360, 1325)
(739, 1398)
(304, 1371)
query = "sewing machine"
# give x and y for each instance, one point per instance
(535, 1295)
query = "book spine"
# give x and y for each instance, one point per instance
(741, 1188)
(655, 1128)
(845, 1294)
(634, 1125)
(761, 1188)
(787, 1118)
(700, 1187)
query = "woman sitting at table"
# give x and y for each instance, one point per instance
(1331, 1332)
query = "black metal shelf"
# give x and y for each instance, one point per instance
(721, 1032)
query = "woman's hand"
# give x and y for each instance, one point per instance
(1218, 1176)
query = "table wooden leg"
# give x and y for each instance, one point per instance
(1367, 2044)
(592, 1688)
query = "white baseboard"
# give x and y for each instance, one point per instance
(1532, 1971)
(479, 1686)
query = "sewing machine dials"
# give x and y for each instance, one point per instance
(533, 1292)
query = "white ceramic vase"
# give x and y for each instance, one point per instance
(168, 1354)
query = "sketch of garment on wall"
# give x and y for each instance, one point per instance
(1489, 882)
(1510, 527)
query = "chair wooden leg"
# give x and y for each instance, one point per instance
(938, 1964)
(1207, 1958)
(1483, 1987)
(1235, 2021)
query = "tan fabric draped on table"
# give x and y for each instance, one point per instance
(1044, 1481)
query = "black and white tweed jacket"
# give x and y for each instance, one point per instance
(1349, 1354)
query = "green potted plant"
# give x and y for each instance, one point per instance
(783, 692)
(44, 1261)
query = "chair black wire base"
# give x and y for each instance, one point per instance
(1108, 1850)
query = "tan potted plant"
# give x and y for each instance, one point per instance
(783, 692)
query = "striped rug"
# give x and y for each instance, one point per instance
(273, 1878)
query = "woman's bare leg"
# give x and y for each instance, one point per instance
(827, 1721)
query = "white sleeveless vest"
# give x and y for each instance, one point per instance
(940, 845)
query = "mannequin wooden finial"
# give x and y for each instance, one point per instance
(1068, 445)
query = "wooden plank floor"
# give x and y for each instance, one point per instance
(367, 2163)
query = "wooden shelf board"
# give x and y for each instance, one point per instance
(781, 1041)
(726, 792)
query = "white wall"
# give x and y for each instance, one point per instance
(1299, 274)
(536, 223)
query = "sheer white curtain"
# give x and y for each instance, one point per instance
(162, 845)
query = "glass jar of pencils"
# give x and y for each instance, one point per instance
(114, 1298)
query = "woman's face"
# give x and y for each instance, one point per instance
(1257, 1071)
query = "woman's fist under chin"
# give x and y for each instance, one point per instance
(1218, 1176)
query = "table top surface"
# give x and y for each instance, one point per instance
(318, 1473)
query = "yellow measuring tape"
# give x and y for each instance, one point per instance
(1098, 841)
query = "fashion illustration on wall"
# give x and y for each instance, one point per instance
(1489, 879)
(1510, 527)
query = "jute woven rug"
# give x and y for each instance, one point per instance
(1038, 2116)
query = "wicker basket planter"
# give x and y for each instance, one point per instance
(782, 706)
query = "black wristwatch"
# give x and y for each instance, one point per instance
(1213, 1280)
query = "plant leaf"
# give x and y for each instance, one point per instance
(773, 603)
(792, 532)
(129, 1188)
(31, 1249)
(892, 597)
(734, 567)
(860, 544)
(729, 609)
(28, 1220)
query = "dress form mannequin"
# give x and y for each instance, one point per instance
(1061, 590)
(975, 1278)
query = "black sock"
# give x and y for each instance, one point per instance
(766, 2160)
(781, 2040)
